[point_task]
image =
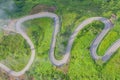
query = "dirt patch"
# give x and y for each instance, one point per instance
(5, 76)
(43, 8)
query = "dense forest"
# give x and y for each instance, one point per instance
(15, 52)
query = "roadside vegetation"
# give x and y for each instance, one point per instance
(15, 50)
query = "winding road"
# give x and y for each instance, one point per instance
(64, 60)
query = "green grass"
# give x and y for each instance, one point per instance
(14, 51)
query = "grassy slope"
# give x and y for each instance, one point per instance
(81, 64)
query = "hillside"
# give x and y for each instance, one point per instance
(15, 51)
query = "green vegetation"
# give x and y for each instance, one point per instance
(12, 48)
(71, 12)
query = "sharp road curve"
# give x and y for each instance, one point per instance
(64, 60)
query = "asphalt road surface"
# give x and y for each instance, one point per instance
(64, 60)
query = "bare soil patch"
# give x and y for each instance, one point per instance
(43, 8)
